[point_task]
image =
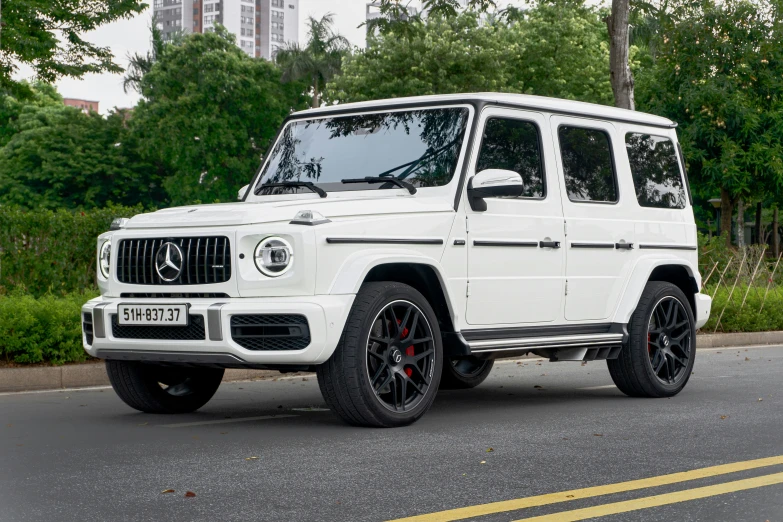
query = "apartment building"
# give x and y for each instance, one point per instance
(260, 26)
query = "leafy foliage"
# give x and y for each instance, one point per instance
(48, 36)
(556, 48)
(43, 251)
(209, 113)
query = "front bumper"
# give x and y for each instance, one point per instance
(703, 306)
(325, 314)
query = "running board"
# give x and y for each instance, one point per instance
(582, 342)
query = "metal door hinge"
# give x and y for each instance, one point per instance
(467, 289)
(566, 287)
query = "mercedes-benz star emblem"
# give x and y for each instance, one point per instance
(168, 262)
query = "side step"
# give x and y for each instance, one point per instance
(583, 347)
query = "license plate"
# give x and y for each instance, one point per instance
(158, 314)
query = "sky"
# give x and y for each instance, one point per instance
(133, 36)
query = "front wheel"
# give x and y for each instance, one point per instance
(387, 366)
(163, 389)
(465, 372)
(658, 359)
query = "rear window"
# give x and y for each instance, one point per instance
(655, 170)
(587, 165)
(514, 145)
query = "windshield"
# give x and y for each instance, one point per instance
(421, 147)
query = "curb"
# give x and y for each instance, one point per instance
(94, 373)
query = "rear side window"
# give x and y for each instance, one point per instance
(655, 170)
(587, 164)
(514, 145)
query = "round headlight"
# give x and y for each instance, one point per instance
(104, 258)
(274, 256)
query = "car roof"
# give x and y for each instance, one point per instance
(522, 101)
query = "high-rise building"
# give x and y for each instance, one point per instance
(260, 26)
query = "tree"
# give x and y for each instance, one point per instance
(319, 60)
(141, 64)
(208, 114)
(720, 75)
(62, 157)
(38, 95)
(47, 36)
(554, 49)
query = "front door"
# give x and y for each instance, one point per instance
(598, 206)
(515, 256)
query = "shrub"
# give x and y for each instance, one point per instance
(44, 251)
(750, 317)
(42, 330)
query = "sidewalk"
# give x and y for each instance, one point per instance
(94, 373)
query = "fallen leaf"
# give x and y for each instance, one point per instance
(569, 496)
(543, 375)
(189, 494)
(166, 491)
(490, 450)
(584, 363)
(483, 462)
(747, 358)
(760, 399)
(143, 424)
(722, 417)
(718, 352)
(241, 388)
(598, 434)
(223, 432)
(520, 362)
(304, 378)
(251, 458)
(537, 387)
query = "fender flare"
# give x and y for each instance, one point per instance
(639, 276)
(355, 268)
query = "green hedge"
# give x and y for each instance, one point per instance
(750, 317)
(43, 251)
(42, 330)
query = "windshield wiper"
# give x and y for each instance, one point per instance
(382, 179)
(293, 184)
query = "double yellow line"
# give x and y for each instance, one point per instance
(620, 487)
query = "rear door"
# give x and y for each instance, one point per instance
(516, 265)
(598, 207)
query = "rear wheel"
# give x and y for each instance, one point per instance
(387, 366)
(163, 389)
(465, 372)
(658, 359)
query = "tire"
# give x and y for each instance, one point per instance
(661, 333)
(464, 373)
(152, 388)
(373, 379)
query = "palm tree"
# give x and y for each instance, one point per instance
(139, 64)
(319, 61)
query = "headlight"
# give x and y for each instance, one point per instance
(104, 258)
(274, 256)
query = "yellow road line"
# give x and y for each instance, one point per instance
(659, 500)
(576, 494)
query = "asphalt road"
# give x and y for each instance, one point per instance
(267, 450)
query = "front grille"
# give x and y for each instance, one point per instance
(194, 331)
(192, 295)
(205, 260)
(87, 327)
(270, 332)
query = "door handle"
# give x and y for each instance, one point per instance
(623, 246)
(549, 244)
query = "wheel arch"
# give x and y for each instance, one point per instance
(679, 272)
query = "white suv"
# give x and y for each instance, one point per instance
(399, 246)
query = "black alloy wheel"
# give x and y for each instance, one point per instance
(461, 373)
(401, 356)
(669, 340)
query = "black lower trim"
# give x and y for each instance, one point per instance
(381, 241)
(592, 245)
(536, 331)
(217, 360)
(531, 244)
(454, 345)
(668, 247)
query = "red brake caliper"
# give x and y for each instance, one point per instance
(408, 350)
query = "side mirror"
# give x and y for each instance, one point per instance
(494, 183)
(242, 192)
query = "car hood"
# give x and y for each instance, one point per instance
(248, 213)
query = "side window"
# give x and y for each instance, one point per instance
(587, 164)
(655, 170)
(514, 145)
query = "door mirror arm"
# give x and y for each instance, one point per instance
(493, 183)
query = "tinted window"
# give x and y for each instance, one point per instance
(421, 147)
(514, 145)
(587, 164)
(655, 170)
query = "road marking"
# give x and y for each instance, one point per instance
(659, 500)
(604, 387)
(58, 390)
(594, 491)
(224, 421)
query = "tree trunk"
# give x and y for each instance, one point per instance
(740, 224)
(759, 239)
(775, 237)
(316, 95)
(726, 210)
(619, 69)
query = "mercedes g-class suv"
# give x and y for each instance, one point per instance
(395, 247)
